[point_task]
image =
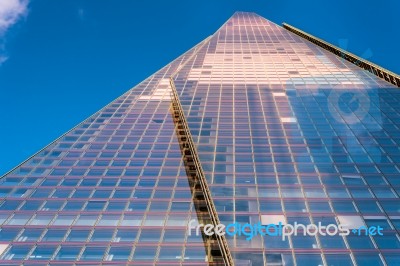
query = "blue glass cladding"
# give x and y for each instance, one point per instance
(111, 190)
(286, 129)
(282, 128)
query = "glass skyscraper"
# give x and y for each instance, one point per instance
(257, 124)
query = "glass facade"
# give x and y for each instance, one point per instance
(287, 130)
(284, 131)
(112, 190)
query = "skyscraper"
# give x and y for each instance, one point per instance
(256, 125)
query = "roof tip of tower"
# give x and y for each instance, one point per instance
(244, 12)
(241, 13)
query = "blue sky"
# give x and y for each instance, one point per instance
(61, 61)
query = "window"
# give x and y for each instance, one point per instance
(82, 193)
(360, 193)
(367, 206)
(74, 205)
(31, 205)
(170, 254)
(155, 220)
(343, 206)
(392, 259)
(41, 219)
(102, 194)
(338, 193)
(126, 235)
(68, 253)
(314, 193)
(150, 235)
(159, 206)
(119, 253)
(332, 242)
(319, 207)
(109, 220)
(64, 219)
(30, 235)
(359, 242)
(295, 206)
(270, 206)
(193, 253)
(102, 235)
(174, 235)
(62, 193)
(8, 234)
(338, 259)
(368, 259)
(274, 259)
(95, 205)
(275, 242)
(304, 242)
(19, 219)
(42, 253)
(131, 220)
(93, 254)
(122, 194)
(143, 253)
(54, 235)
(387, 241)
(116, 206)
(88, 220)
(52, 205)
(308, 259)
(77, 235)
(16, 253)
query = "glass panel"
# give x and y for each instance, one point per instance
(143, 253)
(368, 259)
(87, 220)
(19, 219)
(119, 253)
(68, 253)
(150, 235)
(16, 253)
(102, 235)
(308, 260)
(30, 235)
(42, 253)
(170, 254)
(387, 241)
(109, 220)
(359, 242)
(77, 235)
(93, 253)
(8, 234)
(338, 260)
(54, 235)
(126, 235)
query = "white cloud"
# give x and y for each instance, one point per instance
(3, 58)
(10, 12)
